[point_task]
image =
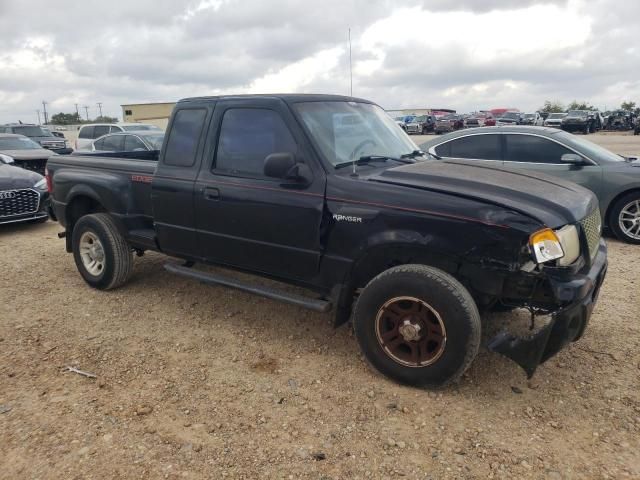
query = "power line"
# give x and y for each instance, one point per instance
(38, 112)
(44, 108)
(100, 108)
(86, 109)
(77, 112)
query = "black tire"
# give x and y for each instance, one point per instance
(444, 295)
(614, 217)
(117, 255)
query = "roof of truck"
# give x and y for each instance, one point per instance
(287, 97)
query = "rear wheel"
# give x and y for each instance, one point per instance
(101, 253)
(417, 325)
(624, 218)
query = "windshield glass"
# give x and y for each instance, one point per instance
(31, 131)
(590, 149)
(346, 131)
(131, 128)
(577, 113)
(529, 115)
(557, 115)
(513, 115)
(17, 143)
(155, 141)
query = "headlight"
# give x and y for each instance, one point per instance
(545, 246)
(570, 242)
(41, 185)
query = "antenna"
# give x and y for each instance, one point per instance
(350, 69)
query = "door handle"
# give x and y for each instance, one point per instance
(211, 193)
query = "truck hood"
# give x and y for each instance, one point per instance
(12, 178)
(549, 200)
(33, 154)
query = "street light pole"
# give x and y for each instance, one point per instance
(100, 108)
(86, 109)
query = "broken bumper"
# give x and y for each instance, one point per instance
(567, 325)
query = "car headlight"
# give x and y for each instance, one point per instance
(562, 245)
(41, 185)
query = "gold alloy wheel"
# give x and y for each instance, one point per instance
(410, 331)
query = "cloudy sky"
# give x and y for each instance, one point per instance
(463, 54)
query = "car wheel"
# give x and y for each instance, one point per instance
(418, 325)
(624, 218)
(101, 253)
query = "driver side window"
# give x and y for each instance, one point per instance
(247, 137)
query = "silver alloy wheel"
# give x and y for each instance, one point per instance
(92, 253)
(629, 219)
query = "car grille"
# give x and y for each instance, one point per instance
(52, 145)
(18, 202)
(592, 227)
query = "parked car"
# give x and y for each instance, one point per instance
(585, 121)
(636, 126)
(89, 132)
(620, 120)
(448, 123)
(23, 194)
(409, 249)
(613, 178)
(141, 141)
(40, 135)
(532, 119)
(421, 125)
(554, 119)
(25, 152)
(481, 119)
(510, 118)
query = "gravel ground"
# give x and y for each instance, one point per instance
(196, 381)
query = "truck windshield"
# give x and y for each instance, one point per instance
(347, 131)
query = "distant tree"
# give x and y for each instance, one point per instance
(628, 106)
(65, 119)
(552, 107)
(580, 106)
(106, 119)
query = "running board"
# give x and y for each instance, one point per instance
(215, 279)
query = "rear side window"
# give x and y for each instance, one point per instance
(532, 149)
(184, 136)
(115, 129)
(86, 132)
(247, 136)
(100, 130)
(98, 144)
(131, 143)
(113, 143)
(481, 147)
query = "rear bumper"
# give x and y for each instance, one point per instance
(579, 295)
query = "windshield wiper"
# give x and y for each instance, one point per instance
(366, 159)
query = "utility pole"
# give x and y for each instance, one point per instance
(38, 112)
(100, 108)
(350, 66)
(44, 109)
(77, 112)
(86, 109)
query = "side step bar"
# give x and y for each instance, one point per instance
(215, 279)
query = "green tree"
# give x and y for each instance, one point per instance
(106, 119)
(580, 106)
(552, 107)
(628, 106)
(65, 119)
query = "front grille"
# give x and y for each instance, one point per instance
(592, 228)
(18, 202)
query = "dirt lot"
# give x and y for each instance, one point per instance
(202, 382)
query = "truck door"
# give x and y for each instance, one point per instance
(172, 191)
(245, 218)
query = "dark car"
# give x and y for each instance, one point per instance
(25, 152)
(585, 121)
(613, 178)
(448, 123)
(510, 118)
(23, 194)
(421, 125)
(327, 193)
(39, 134)
(143, 141)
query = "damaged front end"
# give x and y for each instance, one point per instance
(575, 296)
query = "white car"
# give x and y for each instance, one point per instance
(554, 120)
(89, 132)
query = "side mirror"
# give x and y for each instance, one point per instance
(6, 159)
(278, 165)
(572, 158)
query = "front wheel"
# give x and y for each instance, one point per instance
(624, 218)
(101, 253)
(417, 325)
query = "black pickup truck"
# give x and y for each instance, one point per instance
(328, 193)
